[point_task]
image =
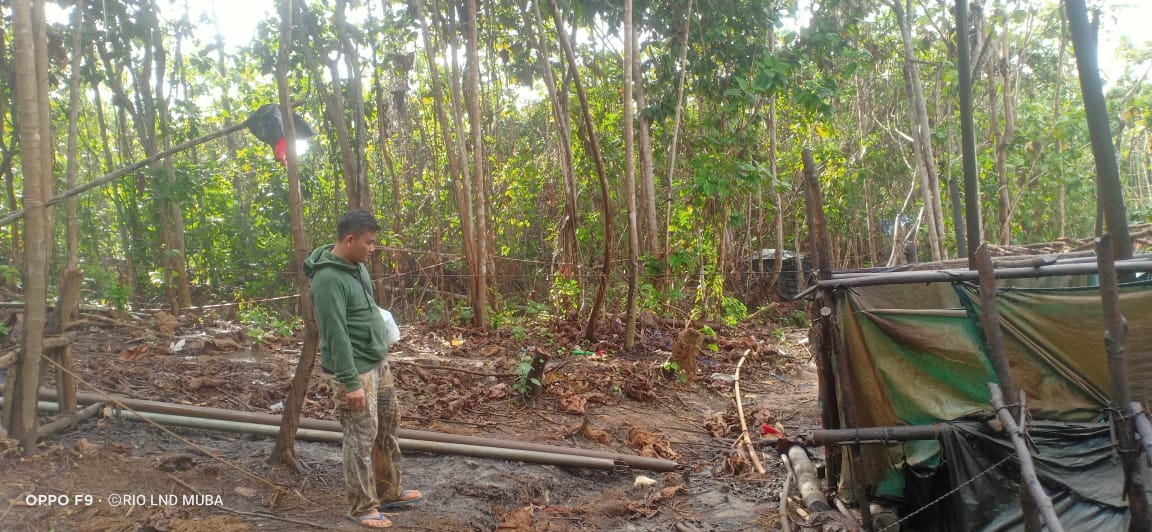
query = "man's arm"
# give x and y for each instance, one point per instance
(332, 318)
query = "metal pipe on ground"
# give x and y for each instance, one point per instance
(496, 453)
(632, 461)
(877, 434)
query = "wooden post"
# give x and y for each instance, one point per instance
(1028, 479)
(1115, 339)
(66, 307)
(990, 320)
(829, 409)
(831, 341)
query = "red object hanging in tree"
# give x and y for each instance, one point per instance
(268, 126)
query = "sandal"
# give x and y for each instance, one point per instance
(367, 521)
(406, 498)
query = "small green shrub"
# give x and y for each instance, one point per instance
(523, 382)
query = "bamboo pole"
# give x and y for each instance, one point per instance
(1028, 477)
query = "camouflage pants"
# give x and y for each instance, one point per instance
(371, 445)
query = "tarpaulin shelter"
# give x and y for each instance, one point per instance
(918, 357)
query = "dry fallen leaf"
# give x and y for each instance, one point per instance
(84, 447)
(665, 493)
(593, 434)
(500, 391)
(573, 403)
(165, 322)
(135, 353)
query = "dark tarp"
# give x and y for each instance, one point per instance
(1074, 461)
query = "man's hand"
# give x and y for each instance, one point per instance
(354, 400)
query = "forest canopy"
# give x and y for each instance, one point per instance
(516, 151)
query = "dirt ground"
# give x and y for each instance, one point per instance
(451, 380)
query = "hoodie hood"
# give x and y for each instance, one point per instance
(322, 257)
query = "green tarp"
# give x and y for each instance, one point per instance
(918, 356)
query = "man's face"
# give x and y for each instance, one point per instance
(359, 247)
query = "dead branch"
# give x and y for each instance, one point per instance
(1027, 469)
(744, 437)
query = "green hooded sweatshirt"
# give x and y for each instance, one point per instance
(351, 328)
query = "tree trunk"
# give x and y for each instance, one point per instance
(30, 44)
(6, 158)
(338, 115)
(682, 64)
(630, 177)
(774, 183)
(355, 99)
(649, 223)
(593, 148)
(1002, 138)
(566, 229)
(476, 298)
(149, 113)
(128, 276)
(285, 449)
(71, 228)
(457, 168)
(479, 187)
(1056, 102)
(921, 134)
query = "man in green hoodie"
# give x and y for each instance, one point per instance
(352, 352)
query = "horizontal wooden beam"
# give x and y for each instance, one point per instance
(1140, 264)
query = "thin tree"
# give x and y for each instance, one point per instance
(150, 117)
(457, 167)
(1111, 193)
(681, 64)
(566, 229)
(630, 178)
(479, 187)
(285, 449)
(925, 165)
(464, 195)
(593, 142)
(649, 223)
(71, 228)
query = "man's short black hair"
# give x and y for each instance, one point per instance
(356, 222)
